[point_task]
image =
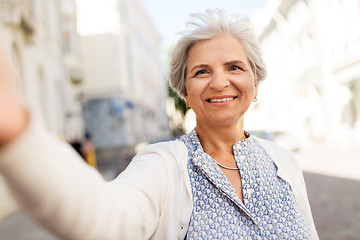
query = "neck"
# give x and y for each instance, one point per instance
(220, 138)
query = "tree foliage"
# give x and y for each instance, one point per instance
(179, 102)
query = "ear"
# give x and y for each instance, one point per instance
(185, 93)
(256, 88)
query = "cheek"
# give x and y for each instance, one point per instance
(191, 88)
(245, 86)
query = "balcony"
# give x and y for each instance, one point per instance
(75, 69)
(18, 13)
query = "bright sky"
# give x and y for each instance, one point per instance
(96, 16)
(169, 16)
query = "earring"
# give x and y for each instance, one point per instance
(188, 107)
(255, 99)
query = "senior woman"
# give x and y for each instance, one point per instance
(217, 182)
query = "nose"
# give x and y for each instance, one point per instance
(219, 81)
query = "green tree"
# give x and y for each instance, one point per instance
(179, 102)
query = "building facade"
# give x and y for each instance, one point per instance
(74, 121)
(37, 38)
(312, 49)
(38, 41)
(124, 89)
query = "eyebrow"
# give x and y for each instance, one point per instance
(236, 62)
(227, 63)
(199, 66)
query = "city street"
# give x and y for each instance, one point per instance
(335, 205)
(333, 180)
(332, 175)
(108, 77)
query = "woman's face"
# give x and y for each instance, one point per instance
(219, 81)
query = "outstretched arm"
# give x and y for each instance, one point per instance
(56, 187)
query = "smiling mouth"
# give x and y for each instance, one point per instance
(218, 100)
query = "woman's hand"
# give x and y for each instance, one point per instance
(13, 116)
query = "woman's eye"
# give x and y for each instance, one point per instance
(235, 68)
(201, 72)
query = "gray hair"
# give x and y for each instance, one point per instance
(208, 25)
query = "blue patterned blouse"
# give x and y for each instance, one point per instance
(268, 211)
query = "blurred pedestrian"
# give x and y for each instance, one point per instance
(78, 146)
(88, 151)
(217, 182)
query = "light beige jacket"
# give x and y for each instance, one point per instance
(151, 199)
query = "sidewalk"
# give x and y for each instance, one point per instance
(332, 176)
(330, 159)
(20, 227)
(335, 206)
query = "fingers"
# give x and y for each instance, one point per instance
(13, 116)
(14, 119)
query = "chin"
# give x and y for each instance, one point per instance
(225, 121)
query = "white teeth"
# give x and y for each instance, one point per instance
(221, 100)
